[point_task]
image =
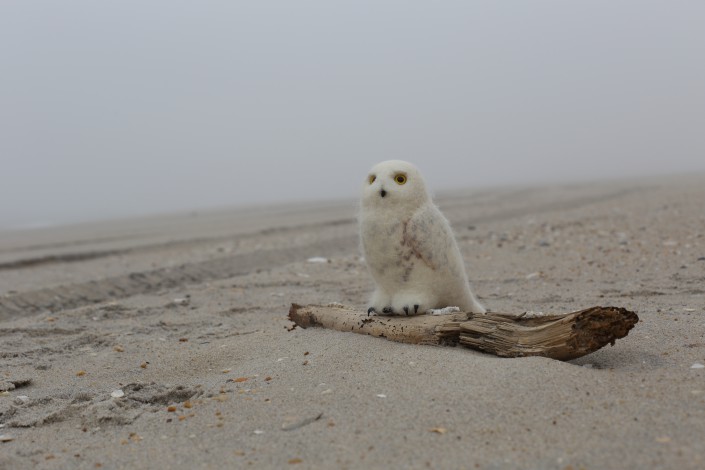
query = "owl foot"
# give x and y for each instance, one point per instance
(385, 311)
(416, 309)
(390, 311)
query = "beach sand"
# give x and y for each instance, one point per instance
(186, 315)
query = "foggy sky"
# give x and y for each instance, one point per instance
(112, 109)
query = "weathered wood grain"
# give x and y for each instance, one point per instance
(558, 336)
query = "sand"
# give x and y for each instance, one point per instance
(185, 317)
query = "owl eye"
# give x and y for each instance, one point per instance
(371, 179)
(400, 179)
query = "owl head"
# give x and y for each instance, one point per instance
(394, 184)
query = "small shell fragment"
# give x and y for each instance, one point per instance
(697, 365)
(21, 400)
(443, 311)
(117, 394)
(438, 430)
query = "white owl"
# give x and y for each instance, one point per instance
(409, 246)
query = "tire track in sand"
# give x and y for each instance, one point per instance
(77, 295)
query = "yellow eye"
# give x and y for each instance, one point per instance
(400, 179)
(371, 179)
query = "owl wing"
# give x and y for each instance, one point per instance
(429, 237)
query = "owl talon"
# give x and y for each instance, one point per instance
(387, 310)
(370, 310)
(406, 310)
(416, 308)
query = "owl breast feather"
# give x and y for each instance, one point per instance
(396, 249)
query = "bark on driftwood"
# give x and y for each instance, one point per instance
(563, 337)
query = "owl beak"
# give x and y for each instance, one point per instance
(382, 192)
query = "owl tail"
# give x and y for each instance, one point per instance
(474, 306)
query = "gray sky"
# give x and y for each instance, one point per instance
(111, 109)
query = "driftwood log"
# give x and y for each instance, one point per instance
(563, 337)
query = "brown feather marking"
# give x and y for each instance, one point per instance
(409, 241)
